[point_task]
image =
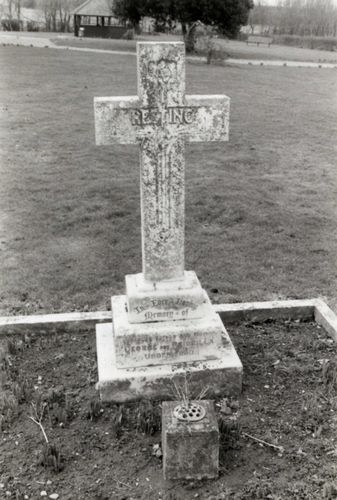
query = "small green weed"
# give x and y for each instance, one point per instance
(9, 409)
(148, 417)
(3, 353)
(3, 367)
(59, 405)
(257, 489)
(95, 409)
(330, 491)
(22, 390)
(118, 420)
(16, 344)
(12, 392)
(229, 423)
(50, 455)
(329, 375)
(312, 415)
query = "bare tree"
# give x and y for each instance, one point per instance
(49, 8)
(260, 16)
(307, 17)
(58, 13)
(11, 9)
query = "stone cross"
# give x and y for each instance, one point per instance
(161, 119)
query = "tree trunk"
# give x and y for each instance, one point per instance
(18, 10)
(61, 23)
(67, 24)
(10, 14)
(190, 38)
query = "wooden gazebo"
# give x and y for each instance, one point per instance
(95, 19)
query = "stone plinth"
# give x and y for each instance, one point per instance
(222, 376)
(143, 344)
(168, 300)
(190, 449)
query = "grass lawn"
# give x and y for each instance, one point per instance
(233, 48)
(260, 209)
(242, 50)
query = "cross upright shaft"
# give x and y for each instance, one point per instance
(160, 120)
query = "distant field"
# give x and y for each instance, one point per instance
(233, 48)
(260, 210)
(230, 48)
(242, 50)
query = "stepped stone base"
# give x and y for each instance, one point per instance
(221, 377)
(157, 343)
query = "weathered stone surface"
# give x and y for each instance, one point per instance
(161, 119)
(168, 300)
(190, 449)
(222, 377)
(166, 323)
(145, 344)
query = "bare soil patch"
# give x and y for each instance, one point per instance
(289, 400)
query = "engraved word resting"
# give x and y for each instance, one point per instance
(169, 115)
